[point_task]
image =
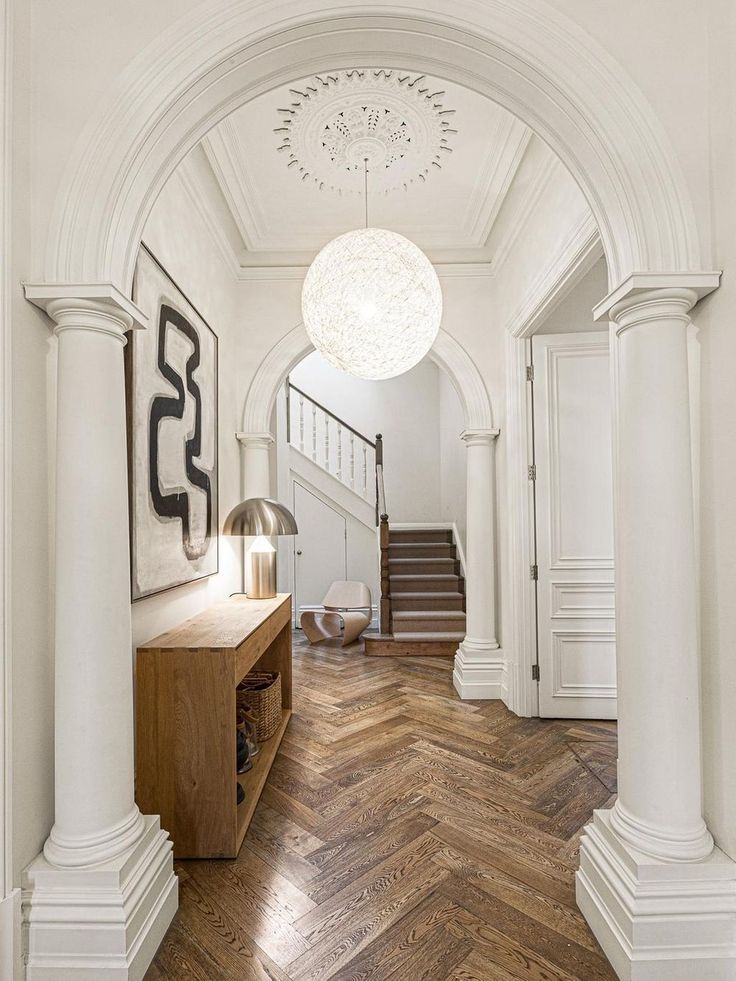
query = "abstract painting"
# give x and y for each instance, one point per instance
(171, 378)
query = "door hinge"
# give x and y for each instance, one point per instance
(534, 572)
(535, 672)
(530, 372)
(532, 471)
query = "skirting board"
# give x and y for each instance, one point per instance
(657, 921)
(102, 923)
(11, 956)
(480, 676)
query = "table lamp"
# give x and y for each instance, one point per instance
(262, 518)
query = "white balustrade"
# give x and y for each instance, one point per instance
(314, 432)
(301, 422)
(330, 456)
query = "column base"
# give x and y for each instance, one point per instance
(11, 958)
(693, 847)
(657, 920)
(103, 922)
(480, 670)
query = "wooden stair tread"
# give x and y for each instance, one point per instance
(430, 635)
(423, 575)
(429, 615)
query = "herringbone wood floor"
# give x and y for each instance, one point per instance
(403, 834)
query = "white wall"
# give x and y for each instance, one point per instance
(453, 463)
(716, 319)
(406, 411)
(179, 240)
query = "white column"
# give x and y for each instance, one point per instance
(256, 457)
(478, 669)
(659, 809)
(87, 873)
(95, 815)
(256, 481)
(659, 897)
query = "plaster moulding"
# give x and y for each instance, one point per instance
(577, 257)
(394, 121)
(531, 59)
(292, 347)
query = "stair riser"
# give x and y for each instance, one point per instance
(430, 567)
(400, 605)
(428, 626)
(420, 535)
(438, 551)
(412, 585)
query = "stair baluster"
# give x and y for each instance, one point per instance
(301, 422)
(314, 432)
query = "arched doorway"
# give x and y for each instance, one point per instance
(544, 70)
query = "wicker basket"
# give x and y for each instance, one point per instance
(260, 693)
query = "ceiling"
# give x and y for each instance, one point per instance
(284, 174)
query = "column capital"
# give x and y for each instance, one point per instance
(262, 440)
(640, 284)
(99, 307)
(479, 437)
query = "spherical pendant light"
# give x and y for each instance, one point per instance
(372, 303)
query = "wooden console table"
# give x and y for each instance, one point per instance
(186, 721)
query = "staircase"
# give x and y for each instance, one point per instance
(427, 595)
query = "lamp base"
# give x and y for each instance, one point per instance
(262, 578)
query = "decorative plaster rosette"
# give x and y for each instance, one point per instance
(393, 119)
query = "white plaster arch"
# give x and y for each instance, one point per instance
(528, 57)
(446, 352)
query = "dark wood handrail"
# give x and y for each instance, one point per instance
(331, 414)
(384, 612)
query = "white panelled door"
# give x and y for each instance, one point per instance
(320, 555)
(574, 518)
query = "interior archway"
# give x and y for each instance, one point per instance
(446, 352)
(536, 64)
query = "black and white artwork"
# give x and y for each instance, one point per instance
(172, 422)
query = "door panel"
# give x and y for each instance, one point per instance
(574, 517)
(321, 542)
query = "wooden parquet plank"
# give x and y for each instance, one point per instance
(402, 835)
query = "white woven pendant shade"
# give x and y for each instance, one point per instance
(372, 303)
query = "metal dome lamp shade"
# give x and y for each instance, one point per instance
(262, 518)
(372, 302)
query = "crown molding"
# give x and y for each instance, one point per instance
(525, 208)
(701, 283)
(496, 178)
(576, 258)
(190, 182)
(227, 156)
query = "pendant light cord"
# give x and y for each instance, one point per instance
(365, 186)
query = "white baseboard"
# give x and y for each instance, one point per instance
(479, 670)
(102, 923)
(658, 921)
(11, 953)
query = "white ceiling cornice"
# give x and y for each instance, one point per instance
(229, 151)
(520, 215)
(496, 176)
(227, 157)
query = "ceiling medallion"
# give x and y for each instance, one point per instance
(392, 119)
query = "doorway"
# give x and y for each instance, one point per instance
(573, 514)
(320, 549)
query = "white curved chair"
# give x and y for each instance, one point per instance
(347, 610)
